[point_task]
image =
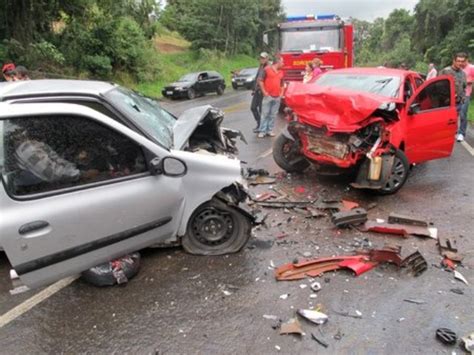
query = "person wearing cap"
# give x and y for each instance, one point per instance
(8, 72)
(256, 105)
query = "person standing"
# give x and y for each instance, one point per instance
(271, 84)
(8, 72)
(256, 105)
(317, 71)
(432, 72)
(469, 71)
(460, 84)
(308, 73)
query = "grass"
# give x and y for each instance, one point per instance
(470, 113)
(174, 65)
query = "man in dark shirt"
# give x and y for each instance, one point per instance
(256, 105)
(460, 83)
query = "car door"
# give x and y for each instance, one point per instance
(78, 192)
(431, 121)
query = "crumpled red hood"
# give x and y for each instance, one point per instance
(338, 109)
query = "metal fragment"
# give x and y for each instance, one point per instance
(460, 277)
(396, 218)
(313, 316)
(416, 262)
(415, 301)
(292, 326)
(320, 341)
(353, 217)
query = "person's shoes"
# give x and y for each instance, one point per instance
(255, 130)
(459, 137)
(261, 135)
(271, 134)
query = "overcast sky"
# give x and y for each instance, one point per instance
(360, 9)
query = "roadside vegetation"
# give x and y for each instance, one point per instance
(138, 44)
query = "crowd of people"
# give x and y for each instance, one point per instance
(11, 72)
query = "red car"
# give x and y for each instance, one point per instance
(376, 120)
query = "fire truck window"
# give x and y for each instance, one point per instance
(435, 96)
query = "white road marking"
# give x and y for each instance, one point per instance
(24, 307)
(265, 154)
(468, 147)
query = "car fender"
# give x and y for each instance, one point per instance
(207, 174)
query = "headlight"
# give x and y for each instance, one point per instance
(233, 79)
(248, 80)
(387, 106)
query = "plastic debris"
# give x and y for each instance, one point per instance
(117, 271)
(284, 296)
(316, 286)
(468, 341)
(446, 336)
(302, 286)
(270, 316)
(313, 316)
(277, 348)
(292, 326)
(457, 291)
(320, 341)
(409, 300)
(460, 277)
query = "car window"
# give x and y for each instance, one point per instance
(435, 95)
(48, 153)
(407, 89)
(384, 85)
(418, 82)
(145, 113)
(188, 77)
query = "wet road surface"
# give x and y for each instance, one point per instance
(177, 303)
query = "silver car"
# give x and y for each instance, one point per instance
(91, 171)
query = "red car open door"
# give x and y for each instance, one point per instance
(431, 121)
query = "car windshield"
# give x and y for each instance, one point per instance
(384, 85)
(248, 71)
(146, 113)
(308, 40)
(188, 77)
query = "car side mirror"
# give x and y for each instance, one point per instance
(414, 108)
(169, 166)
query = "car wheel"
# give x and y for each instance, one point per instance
(220, 90)
(286, 153)
(191, 94)
(398, 175)
(216, 228)
(235, 87)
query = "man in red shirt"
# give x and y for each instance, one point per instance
(271, 83)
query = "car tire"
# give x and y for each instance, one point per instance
(235, 87)
(398, 175)
(191, 94)
(287, 155)
(220, 90)
(216, 228)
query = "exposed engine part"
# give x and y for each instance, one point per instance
(210, 136)
(348, 218)
(416, 262)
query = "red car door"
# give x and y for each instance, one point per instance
(431, 121)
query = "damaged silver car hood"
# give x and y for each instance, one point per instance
(187, 123)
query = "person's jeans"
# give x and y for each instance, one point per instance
(463, 117)
(270, 106)
(256, 106)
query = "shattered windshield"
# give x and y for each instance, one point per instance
(383, 85)
(146, 113)
(188, 77)
(311, 39)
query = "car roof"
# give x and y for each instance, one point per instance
(8, 109)
(374, 71)
(50, 87)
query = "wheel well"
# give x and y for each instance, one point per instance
(402, 146)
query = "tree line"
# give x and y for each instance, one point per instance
(432, 34)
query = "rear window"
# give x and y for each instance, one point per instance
(384, 85)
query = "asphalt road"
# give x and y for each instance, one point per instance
(177, 303)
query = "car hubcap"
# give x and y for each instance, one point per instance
(397, 175)
(213, 227)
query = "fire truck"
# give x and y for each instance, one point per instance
(302, 38)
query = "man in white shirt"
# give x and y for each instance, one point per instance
(432, 72)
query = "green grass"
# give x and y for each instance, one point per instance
(174, 65)
(470, 113)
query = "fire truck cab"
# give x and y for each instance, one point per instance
(302, 38)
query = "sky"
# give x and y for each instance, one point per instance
(360, 9)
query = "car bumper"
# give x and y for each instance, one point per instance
(174, 93)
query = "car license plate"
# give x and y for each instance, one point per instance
(169, 93)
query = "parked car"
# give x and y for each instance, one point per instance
(195, 84)
(92, 171)
(245, 78)
(377, 121)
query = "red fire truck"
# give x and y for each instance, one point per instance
(302, 38)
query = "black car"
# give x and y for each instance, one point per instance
(245, 78)
(194, 84)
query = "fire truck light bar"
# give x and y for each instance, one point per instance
(311, 17)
